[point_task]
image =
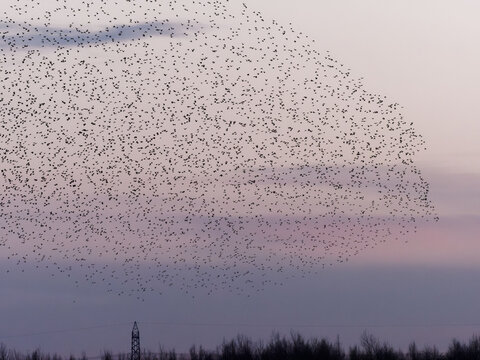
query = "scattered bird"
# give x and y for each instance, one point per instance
(196, 144)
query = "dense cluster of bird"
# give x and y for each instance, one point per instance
(152, 143)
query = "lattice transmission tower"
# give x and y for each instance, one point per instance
(135, 354)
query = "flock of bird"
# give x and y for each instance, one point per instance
(151, 143)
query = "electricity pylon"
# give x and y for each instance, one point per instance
(135, 354)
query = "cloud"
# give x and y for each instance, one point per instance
(31, 36)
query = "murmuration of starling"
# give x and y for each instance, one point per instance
(195, 144)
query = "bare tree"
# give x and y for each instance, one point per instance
(3, 352)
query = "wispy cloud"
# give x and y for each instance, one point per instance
(15, 35)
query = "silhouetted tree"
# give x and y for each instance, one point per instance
(458, 351)
(107, 355)
(3, 352)
(240, 348)
(15, 355)
(166, 355)
(35, 355)
(202, 354)
(123, 356)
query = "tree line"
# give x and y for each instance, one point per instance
(294, 347)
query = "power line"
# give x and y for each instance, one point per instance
(49, 332)
(233, 324)
(280, 325)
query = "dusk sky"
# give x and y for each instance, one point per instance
(258, 194)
